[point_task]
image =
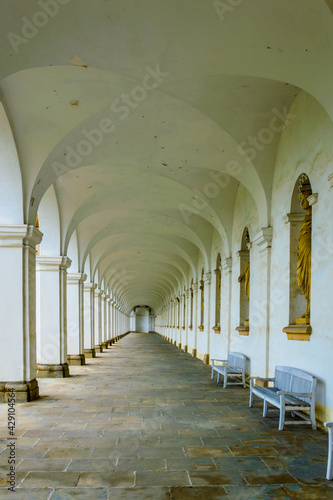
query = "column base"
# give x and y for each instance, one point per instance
(98, 348)
(104, 345)
(180, 345)
(175, 342)
(90, 353)
(206, 359)
(76, 359)
(24, 391)
(52, 371)
(194, 353)
(185, 348)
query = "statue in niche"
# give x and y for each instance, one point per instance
(303, 270)
(246, 273)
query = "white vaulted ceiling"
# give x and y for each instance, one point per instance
(215, 79)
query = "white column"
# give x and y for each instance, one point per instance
(187, 298)
(98, 319)
(75, 326)
(104, 320)
(108, 320)
(88, 320)
(51, 273)
(18, 311)
(263, 240)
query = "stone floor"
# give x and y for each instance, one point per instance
(145, 421)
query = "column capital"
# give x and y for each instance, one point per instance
(218, 270)
(48, 262)
(243, 253)
(33, 237)
(89, 285)
(75, 278)
(292, 218)
(195, 287)
(263, 239)
(15, 236)
(227, 264)
(187, 293)
(207, 278)
(98, 291)
(65, 263)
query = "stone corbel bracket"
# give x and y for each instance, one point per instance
(263, 239)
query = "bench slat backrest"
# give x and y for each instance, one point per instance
(291, 379)
(236, 359)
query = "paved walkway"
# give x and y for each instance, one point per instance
(144, 421)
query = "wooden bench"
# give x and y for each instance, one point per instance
(293, 390)
(234, 366)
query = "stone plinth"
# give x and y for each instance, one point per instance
(76, 359)
(243, 329)
(90, 353)
(52, 371)
(300, 331)
(24, 391)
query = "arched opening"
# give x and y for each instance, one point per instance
(142, 318)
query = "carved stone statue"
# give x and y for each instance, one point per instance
(246, 273)
(246, 276)
(304, 246)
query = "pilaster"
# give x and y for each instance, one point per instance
(51, 275)
(18, 286)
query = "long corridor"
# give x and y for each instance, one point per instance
(144, 421)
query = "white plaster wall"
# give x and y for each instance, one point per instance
(306, 146)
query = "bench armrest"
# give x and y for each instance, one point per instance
(263, 379)
(218, 360)
(328, 424)
(296, 394)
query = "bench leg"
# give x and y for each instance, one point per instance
(329, 474)
(251, 398)
(243, 379)
(225, 377)
(313, 418)
(212, 376)
(264, 411)
(281, 421)
(218, 377)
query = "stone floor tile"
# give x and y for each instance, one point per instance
(307, 492)
(191, 464)
(206, 451)
(152, 493)
(115, 452)
(80, 493)
(198, 493)
(152, 478)
(94, 479)
(34, 494)
(43, 464)
(156, 464)
(92, 465)
(48, 479)
(261, 492)
(69, 453)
